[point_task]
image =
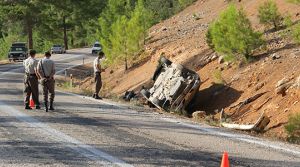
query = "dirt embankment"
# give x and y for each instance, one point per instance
(182, 38)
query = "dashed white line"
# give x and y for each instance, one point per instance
(88, 151)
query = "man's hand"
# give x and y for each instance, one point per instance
(102, 70)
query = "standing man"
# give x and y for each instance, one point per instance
(97, 73)
(46, 71)
(31, 81)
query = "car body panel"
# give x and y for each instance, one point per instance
(174, 87)
(17, 52)
(58, 49)
(96, 48)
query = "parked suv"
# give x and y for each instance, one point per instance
(96, 48)
(57, 49)
(18, 51)
(174, 86)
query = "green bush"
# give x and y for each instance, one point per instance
(5, 44)
(293, 128)
(232, 35)
(268, 14)
(296, 33)
(287, 21)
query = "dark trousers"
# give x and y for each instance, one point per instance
(48, 88)
(98, 82)
(31, 88)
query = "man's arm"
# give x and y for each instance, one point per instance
(53, 70)
(38, 71)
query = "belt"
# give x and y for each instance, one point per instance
(30, 74)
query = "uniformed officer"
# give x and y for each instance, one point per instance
(97, 73)
(31, 81)
(46, 71)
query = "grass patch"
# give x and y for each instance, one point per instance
(293, 128)
(218, 79)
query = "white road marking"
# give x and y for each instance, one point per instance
(279, 146)
(85, 150)
(245, 138)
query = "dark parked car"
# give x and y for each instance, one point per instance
(17, 52)
(174, 86)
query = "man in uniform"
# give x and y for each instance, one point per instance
(46, 71)
(97, 73)
(31, 81)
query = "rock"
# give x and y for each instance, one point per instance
(275, 56)
(282, 86)
(214, 56)
(259, 86)
(199, 115)
(221, 60)
(297, 83)
(282, 82)
(164, 29)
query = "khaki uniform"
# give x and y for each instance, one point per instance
(31, 81)
(97, 73)
(46, 68)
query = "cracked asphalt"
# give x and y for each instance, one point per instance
(86, 132)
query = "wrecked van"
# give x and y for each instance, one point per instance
(174, 86)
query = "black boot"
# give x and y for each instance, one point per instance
(51, 106)
(46, 107)
(27, 107)
(38, 107)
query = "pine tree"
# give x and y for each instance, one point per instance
(231, 34)
(269, 14)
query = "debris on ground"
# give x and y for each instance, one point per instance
(258, 126)
(129, 95)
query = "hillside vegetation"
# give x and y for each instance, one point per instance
(80, 23)
(263, 60)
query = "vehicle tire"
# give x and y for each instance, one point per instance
(165, 61)
(145, 93)
(157, 102)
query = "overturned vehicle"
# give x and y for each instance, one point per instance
(174, 86)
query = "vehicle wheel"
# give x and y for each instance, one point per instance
(145, 93)
(165, 61)
(157, 102)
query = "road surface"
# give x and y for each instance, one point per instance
(86, 132)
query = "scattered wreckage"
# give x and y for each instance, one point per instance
(259, 125)
(174, 86)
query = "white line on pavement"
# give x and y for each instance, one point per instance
(279, 146)
(85, 150)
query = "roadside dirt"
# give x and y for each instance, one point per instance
(182, 39)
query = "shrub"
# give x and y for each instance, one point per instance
(296, 33)
(287, 21)
(269, 14)
(293, 128)
(232, 35)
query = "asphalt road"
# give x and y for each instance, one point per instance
(87, 132)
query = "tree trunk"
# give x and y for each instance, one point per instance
(29, 33)
(126, 64)
(65, 33)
